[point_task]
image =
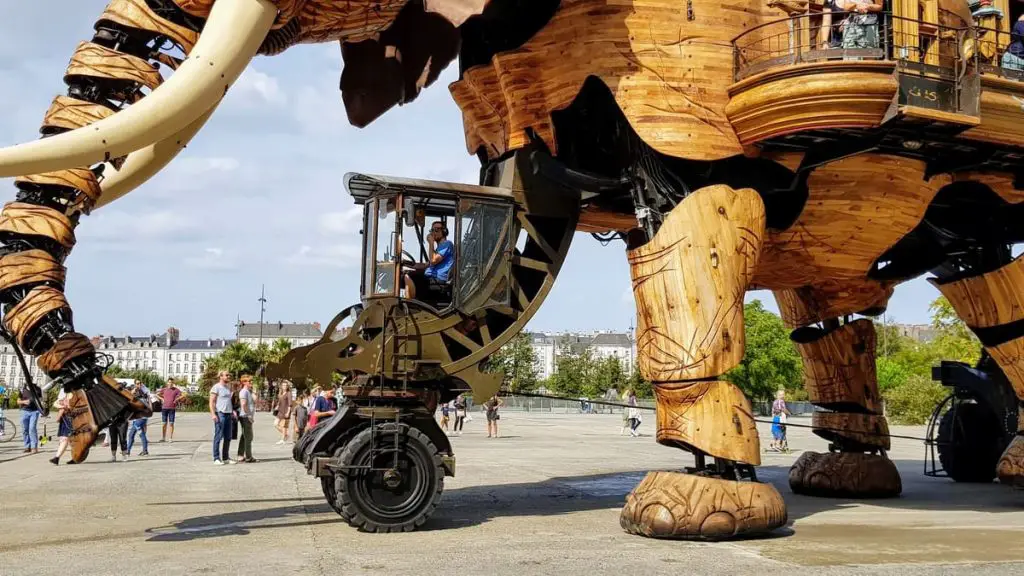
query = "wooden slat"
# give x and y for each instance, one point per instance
(667, 68)
(689, 282)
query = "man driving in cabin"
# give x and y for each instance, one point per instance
(437, 270)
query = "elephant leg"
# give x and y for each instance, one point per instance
(992, 305)
(689, 282)
(839, 375)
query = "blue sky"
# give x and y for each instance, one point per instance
(257, 198)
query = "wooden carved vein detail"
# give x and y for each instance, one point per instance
(990, 299)
(1010, 468)
(870, 430)
(665, 71)
(197, 8)
(845, 475)
(70, 113)
(137, 14)
(98, 61)
(857, 209)
(1010, 357)
(70, 346)
(23, 316)
(689, 282)
(714, 417)
(830, 299)
(30, 267)
(35, 220)
(675, 505)
(839, 367)
(351, 20)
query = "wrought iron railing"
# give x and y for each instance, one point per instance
(991, 49)
(916, 46)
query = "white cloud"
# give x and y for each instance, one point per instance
(118, 226)
(211, 259)
(253, 84)
(194, 166)
(333, 256)
(343, 222)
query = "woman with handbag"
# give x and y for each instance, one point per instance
(460, 415)
(491, 406)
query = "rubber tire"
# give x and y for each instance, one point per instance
(327, 482)
(356, 514)
(979, 444)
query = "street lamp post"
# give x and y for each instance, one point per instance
(263, 308)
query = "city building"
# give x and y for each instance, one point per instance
(547, 346)
(299, 334)
(138, 352)
(186, 359)
(918, 332)
(11, 374)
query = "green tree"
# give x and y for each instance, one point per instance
(639, 385)
(771, 360)
(608, 373)
(149, 378)
(517, 360)
(574, 370)
(954, 341)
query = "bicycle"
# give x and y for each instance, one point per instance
(7, 428)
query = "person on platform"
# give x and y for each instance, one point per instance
(1013, 58)
(223, 415)
(169, 396)
(437, 270)
(860, 29)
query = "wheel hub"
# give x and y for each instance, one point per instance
(392, 479)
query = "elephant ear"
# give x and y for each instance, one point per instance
(392, 67)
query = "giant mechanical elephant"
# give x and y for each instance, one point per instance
(634, 102)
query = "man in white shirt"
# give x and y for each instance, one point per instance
(223, 415)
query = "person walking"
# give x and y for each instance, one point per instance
(139, 425)
(301, 414)
(223, 415)
(30, 411)
(323, 407)
(169, 395)
(283, 412)
(63, 428)
(117, 432)
(246, 415)
(491, 406)
(460, 414)
(780, 413)
(634, 414)
(445, 416)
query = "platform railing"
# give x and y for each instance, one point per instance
(992, 46)
(916, 46)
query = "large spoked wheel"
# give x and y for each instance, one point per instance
(379, 492)
(970, 443)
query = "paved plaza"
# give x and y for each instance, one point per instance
(543, 499)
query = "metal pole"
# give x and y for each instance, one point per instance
(263, 308)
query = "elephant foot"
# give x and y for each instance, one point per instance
(692, 507)
(845, 475)
(1010, 468)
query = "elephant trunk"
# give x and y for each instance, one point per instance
(97, 126)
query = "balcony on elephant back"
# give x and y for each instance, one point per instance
(908, 83)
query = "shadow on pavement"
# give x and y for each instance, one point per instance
(470, 506)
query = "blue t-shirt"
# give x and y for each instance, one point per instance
(1017, 36)
(441, 271)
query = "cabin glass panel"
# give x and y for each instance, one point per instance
(484, 251)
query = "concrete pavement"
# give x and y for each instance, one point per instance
(543, 499)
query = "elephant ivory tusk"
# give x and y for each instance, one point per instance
(143, 164)
(230, 39)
